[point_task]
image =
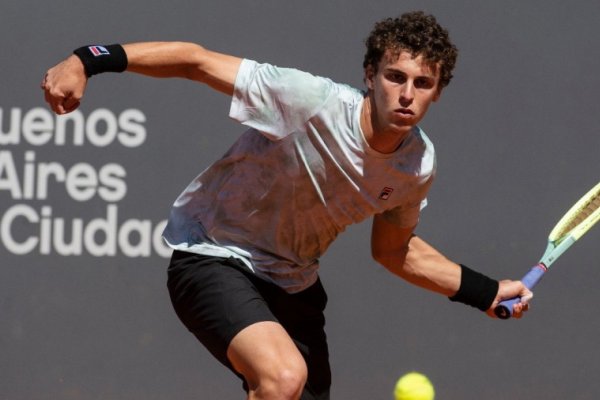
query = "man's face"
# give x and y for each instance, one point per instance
(401, 91)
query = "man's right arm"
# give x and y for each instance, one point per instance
(64, 84)
(183, 60)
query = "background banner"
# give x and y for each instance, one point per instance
(84, 310)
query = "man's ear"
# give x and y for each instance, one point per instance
(369, 76)
(437, 96)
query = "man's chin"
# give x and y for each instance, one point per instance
(402, 128)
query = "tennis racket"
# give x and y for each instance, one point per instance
(572, 226)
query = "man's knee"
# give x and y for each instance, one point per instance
(270, 362)
(285, 382)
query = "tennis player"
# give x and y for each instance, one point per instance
(317, 156)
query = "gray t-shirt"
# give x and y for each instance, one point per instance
(296, 178)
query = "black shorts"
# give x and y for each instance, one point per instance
(216, 298)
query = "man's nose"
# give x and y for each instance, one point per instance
(407, 93)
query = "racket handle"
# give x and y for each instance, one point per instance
(504, 309)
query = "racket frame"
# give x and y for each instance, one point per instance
(557, 245)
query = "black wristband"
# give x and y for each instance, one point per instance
(476, 289)
(97, 59)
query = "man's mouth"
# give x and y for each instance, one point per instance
(405, 112)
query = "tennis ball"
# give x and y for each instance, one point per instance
(414, 386)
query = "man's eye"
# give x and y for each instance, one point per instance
(397, 78)
(424, 83)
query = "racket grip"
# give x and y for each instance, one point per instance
(504, 309)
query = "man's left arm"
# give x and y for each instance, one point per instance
(411, 258)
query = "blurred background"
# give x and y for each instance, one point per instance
(84, 311)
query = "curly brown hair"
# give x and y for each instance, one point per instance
(417, 33)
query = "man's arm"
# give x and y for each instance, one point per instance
(65, 83)
(414, 260)
(411, 258)
(183, 60)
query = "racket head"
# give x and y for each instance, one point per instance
(579, 219)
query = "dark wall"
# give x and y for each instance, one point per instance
(517, 140)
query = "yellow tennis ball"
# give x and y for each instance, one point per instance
(414, 386)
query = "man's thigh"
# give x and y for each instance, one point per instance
(217, 298)
(214, 300)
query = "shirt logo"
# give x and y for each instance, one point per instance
(386, 192)
(98, 51)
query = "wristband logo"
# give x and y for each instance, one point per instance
(98, 51)
(59, 205)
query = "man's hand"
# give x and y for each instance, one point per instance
(508, 290)
(64, 85)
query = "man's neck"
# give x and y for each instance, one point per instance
(382, 139)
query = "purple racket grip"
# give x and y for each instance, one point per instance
(504, 309)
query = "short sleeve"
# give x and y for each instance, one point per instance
(276, 101)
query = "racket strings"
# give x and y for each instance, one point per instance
(579, 215)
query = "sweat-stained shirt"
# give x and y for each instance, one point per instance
(296, 178)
